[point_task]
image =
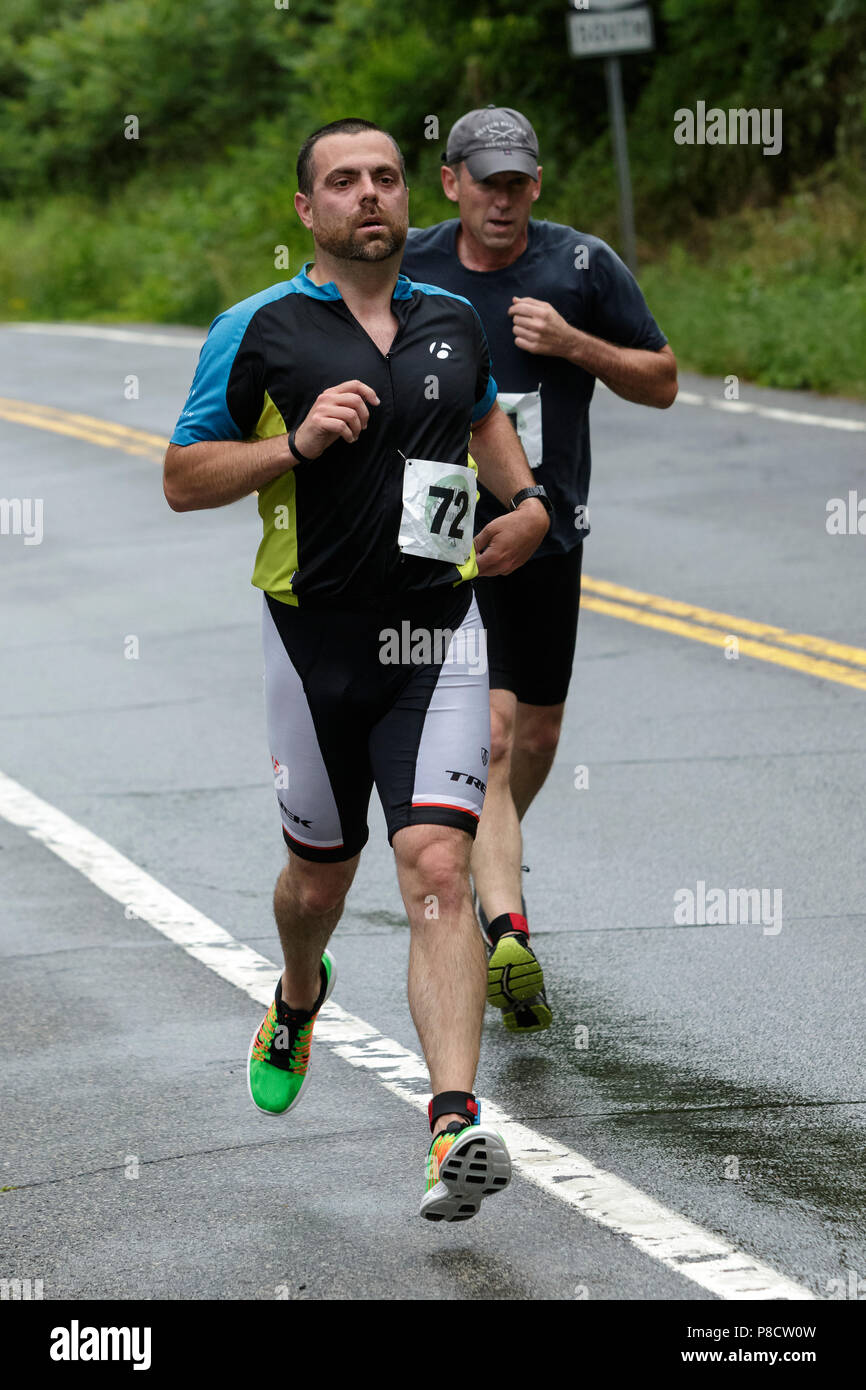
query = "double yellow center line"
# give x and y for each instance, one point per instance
(761, 640)
(88, 427)
(813, 656)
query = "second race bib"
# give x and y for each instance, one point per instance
(438, 510)
(524, 412)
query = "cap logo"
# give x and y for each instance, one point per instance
(497, 133)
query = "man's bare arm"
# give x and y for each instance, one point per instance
(212, 473)
(641, 376)
(498, 452)
(637, 374)
(508, 541)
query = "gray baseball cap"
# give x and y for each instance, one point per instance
(492, 140)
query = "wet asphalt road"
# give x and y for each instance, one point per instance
(706, 1044)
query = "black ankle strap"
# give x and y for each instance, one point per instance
(454, 1103)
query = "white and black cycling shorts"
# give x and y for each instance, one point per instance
(355, 699)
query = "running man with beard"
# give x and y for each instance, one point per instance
(346, 397)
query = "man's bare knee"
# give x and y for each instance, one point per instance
(537, 734)
(501, 739)
(316, 889)
(502, 715)
(540, 743)
(434, 866)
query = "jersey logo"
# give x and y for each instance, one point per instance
(441, 349)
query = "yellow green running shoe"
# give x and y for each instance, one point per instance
(465, 1163)
(513, 971)
(278, 1063)
(530, 1016)
(515, 984)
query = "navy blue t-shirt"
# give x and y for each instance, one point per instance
(546, 398)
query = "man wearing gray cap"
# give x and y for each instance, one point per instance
(560, 309)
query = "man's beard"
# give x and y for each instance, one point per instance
(352, 246)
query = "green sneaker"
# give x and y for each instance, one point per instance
(278, 1062)
(464, 1164)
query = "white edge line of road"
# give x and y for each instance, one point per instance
(114, 335)
(676, 1242)
(131, 335)
(770, 412)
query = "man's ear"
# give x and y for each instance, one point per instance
(450, 184)
(304, 209)
(538, 184)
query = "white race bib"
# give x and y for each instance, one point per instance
(438, 510)
(525, 415)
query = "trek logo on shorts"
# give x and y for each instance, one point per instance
(290, 815)
(469, 779)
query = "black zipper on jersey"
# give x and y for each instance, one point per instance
(401, 322)
(402, 319)
(392, 444)
(389, 440)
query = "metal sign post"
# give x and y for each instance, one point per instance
(609, 28)
(613, 78)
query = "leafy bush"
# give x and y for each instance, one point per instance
(183, 220)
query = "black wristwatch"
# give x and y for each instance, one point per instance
(531, 492)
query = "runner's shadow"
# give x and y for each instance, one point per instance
(475, 1270)
(525, 1072)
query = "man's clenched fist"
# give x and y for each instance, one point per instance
(539, 328)
(341, 412)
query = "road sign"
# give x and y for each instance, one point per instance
(609, 29)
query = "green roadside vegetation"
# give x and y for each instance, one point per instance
(754, 265)
(773, 295)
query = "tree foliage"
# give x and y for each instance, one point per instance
(186, 218)
(203, 74)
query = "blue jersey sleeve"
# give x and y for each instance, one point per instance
(227, 395)
(485, 386)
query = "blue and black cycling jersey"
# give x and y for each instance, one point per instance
(330, 526)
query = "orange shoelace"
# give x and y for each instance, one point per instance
(301, 1050)
(300, 1058)
(265, 1035)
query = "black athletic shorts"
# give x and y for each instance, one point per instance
(355, 699)
(531, 621)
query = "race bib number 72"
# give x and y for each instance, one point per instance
(438, 510)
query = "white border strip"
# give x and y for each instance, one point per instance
(114, 335)
(767, 412)
(770, 412)
(562, 1173)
